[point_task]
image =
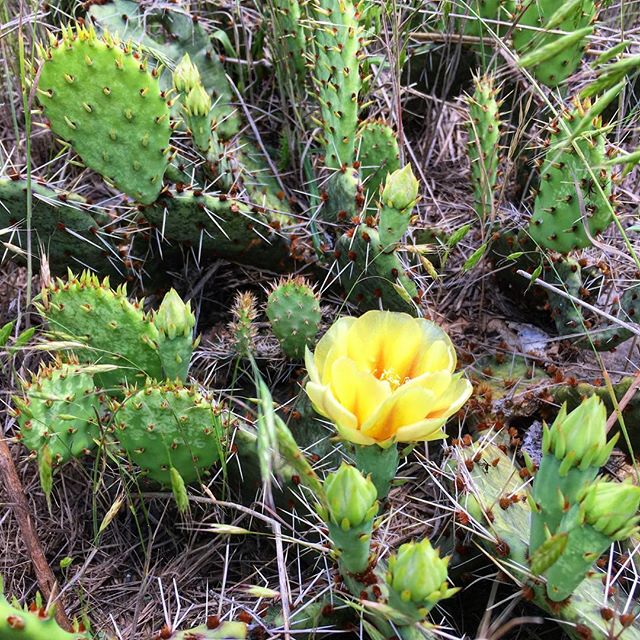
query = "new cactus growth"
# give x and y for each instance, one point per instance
(417, 579)
(243, 329)
(371, 277)
(397, 200)
(169, 426)
(350, 512)
(378, 155)
(539, 32)
(108, 327)
(101, 98)
(175, 322)
(573, 196)
(294, 312)
(484, 142)
(574, 449)
(605, 512)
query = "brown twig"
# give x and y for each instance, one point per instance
(17, 500)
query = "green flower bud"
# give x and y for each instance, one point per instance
(417, 579)
(186, 75)
(351, 498)
(401, 189)
(611, 508)
(580, 437)
(174, 317)
(198, 102)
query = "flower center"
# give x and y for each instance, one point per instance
(390, 376)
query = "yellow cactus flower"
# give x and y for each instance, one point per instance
(386, 377)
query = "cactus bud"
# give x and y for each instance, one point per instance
(611, 508)
(580, 437)
(186, 75)
(174, 317)
(198, 102)
(401, 189)
(417, 579)
(351, 497)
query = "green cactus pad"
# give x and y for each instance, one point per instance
(224, 631)
(60, 409)
(33, 623)
(218, 226)
(99, 96)
(115, 331)
(294, 312)
(542, 24)
(62, 222)
(338, 38)
(484, 139)
(378, 155)
(342, 196)
(370, 277)
(567, 188)
(169, 426)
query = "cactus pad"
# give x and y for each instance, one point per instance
(60, 409)
(568, 191)
(99, 96)
(294, 312)
(378, 155)
(370, 277)
(538, 27)
(169, 426)
(115, 331)
(484, 139)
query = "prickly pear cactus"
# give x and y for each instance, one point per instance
(371, 277)
(221, 631)
(338, 36)
(113, 330)
(101, 98)
(294, 312)
(492, 494)
(541, 26)
(397, 200)
(343, 196)
(569, 198)
(218, 226)
(60, 409)
(61, 222)
(33, 623)
(484, 141)
(378, 155)
(169, 426)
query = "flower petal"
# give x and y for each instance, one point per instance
(423, 431)
(325, 404)
(407, 405)
(452, 399)
(436, 356)
(333, 341)
(358, 391)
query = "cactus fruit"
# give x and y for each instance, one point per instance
(484, 141)
(62, 222)
(112, 330)
(32, 623)
(378, 155)
(492, 496)
(569, 198)
(397, 200)
(371, 277)
(168, 426)
(100, 97)
(537, 30)
(60, 410)
(175, 322)
(338, 41)
(294, 312)
(218, 226)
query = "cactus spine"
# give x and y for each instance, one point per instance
(294, 312)
(100, 97)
